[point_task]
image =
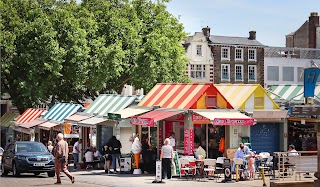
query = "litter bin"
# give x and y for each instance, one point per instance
(126, 163)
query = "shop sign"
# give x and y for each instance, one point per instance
(305, 110)
(191, 142)
(233, 121)
(199, 118)
(114, 116)
(270, 114)
(136, 120)
(186, 141)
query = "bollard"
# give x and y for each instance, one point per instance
(263, 177)
(237, 173)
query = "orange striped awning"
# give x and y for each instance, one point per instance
(29, 115)
(175, 95)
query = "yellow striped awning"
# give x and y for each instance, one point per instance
(7, 119)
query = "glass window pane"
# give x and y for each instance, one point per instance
(192, 74)
(273, 73)
(300, 74)
(288, 73)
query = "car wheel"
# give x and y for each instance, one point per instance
(3, 170)
(36, 173)
(51, 174)
(15, 171)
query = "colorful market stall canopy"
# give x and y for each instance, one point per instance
(106, 103)
(128, 112)
(150, 118)
(226, 117)
(33, 123)
(185, 96)
(78, 117)
(48, 125)
(292, 93)
(92, 121)
(248, 97)
(29, 115)
(7, 118)
(60, 111)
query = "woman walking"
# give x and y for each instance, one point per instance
(166, 157)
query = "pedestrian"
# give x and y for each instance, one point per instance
(166, 157)
(107, 156)
(115, 151)
(75, 153)
(61, 158)
(146, 154)
(251, 168)
(7, 144)
(50, 147)
(173, 140)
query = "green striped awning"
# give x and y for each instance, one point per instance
(290, 92)
(106, 103)
(7, 119)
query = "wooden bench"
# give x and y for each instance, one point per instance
(304, 164)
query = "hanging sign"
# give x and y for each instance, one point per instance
(310, 81)
(191, 142)
(233, 121)
(136, 120)
(186, 141)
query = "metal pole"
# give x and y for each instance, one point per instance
(317, 174)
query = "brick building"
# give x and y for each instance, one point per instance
(307, 36)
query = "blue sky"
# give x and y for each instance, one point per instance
(271, 19)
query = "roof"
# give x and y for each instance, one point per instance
(238, 94)
(292, 92)
(62, 110)
(230, 40)
(174, 95)
(29, 115)
(106, 103)
(7, 118)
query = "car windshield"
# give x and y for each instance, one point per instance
(30, 147)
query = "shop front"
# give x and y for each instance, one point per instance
(7, 127)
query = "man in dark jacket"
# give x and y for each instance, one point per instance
(115, 146)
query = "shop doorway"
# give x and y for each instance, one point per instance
(302, 136)
(265, 137)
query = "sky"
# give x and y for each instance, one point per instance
(271, 19)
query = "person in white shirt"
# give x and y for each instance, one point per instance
(75, 153)
(173, 140)
(88, 158)
(96, 154)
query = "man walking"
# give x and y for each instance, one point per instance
(61, 158)
(115, 151)
(75, 153)
(173, 140)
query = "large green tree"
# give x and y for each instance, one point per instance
(63, 51)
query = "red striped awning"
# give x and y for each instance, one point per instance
(47, 125)
(29, 115)
(181, 96)
(148, 119)
(32, 123)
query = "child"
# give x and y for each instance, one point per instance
(251, 163)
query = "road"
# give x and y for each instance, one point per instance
(97, 178)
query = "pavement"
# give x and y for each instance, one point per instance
(95, 178)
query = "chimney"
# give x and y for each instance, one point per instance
(313, 23)
(206, 31)
(252, 35)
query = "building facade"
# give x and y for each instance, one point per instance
(307, 36)
(285, 65)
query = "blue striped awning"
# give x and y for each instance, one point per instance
(106, 103)
(62, 110)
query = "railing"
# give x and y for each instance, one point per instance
(293, 163)
(285, 52)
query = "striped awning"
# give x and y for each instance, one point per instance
(180, 96)
(48, 125)
(32, 123)
(132, 111)
(290, 92)
(92, 121)
(109, 103)
(29, 115)
(237, 94)
(77, 117)
(62, 110)
(7, 118)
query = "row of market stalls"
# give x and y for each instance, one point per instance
(215, 116)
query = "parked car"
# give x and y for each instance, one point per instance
(27, 157)
(1, 153)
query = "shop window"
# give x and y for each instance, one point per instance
(211, 101)
(258, 102)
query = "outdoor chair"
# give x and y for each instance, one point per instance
(209, 166)
(239, 162)
(186, 168)
(219, 166)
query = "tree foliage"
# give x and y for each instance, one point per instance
(65, 51)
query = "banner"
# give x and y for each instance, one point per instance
(233, 121)
(136, 120)
(310, 81)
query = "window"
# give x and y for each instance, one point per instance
(225, 53)
(239, 73)
(199, 50)
(258, 102)
(252, 56)
(252, 73)
(288, 73)
(199, 72)
(300, 74)
(273, 73)
(239, 54)
(225, 72)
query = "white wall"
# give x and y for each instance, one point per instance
(205, 59)
(285, 62)
(318, 37)
(236, 132)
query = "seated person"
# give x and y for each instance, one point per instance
(96, 154)
(241, 152)
(292, 152)
(88, 159)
